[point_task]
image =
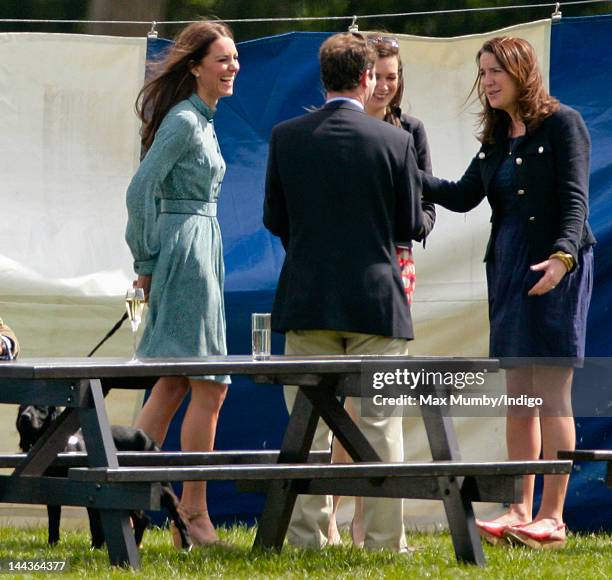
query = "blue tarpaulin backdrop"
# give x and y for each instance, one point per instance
(580, 65)
(280, 79)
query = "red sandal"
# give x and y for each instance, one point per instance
(493, 532)
(551, 538)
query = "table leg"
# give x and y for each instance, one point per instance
(119, 537)
(101, 452)
(459, 511)
(52, 442)
(281, 496)
(341, 424)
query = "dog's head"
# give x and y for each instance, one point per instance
(32, 422)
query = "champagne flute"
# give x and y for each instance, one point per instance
(134, 304)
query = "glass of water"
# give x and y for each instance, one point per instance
(261, 334)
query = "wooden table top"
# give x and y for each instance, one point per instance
(100, 368)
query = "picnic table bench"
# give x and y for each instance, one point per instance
(116, 483)
(591, 455)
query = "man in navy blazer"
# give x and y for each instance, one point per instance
(341, 188)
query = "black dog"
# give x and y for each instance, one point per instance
(34, 420)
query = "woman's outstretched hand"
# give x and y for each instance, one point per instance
(554, 270)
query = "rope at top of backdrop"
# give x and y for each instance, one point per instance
(556, 14)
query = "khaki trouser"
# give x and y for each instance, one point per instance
(383, 517)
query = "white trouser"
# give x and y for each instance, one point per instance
(383, 517)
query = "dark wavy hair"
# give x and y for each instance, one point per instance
(518, 58)
(173, 81)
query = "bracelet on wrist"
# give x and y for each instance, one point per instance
(565, 258)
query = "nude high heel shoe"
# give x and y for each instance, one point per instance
(198, 541)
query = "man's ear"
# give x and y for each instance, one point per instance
(363, 79)
(366, 77)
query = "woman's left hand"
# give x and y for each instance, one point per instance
(554, 270)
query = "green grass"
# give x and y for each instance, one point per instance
(585, 556)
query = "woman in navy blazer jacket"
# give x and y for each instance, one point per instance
(533, 167)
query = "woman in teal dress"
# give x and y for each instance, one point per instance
(175, 240)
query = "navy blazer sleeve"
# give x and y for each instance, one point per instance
(409, 221)
(460, 196)
(423, 156)
(572, 148)
(421, 144)
(276, 216)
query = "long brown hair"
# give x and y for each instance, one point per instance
(386, 47)
(518, 58)
(173, 80)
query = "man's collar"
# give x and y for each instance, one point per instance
(355, 102)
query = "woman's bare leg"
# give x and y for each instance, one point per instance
(553, 386)
(523, 441)
(523, 438)
(165, 399)
(198, 434)
(340, 455)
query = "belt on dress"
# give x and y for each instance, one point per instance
(188, 206)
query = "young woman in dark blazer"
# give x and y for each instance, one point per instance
(385, 105)
(533, 167)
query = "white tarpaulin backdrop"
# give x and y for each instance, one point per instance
(68, 146)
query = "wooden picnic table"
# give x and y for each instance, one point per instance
(591, 455)
(117, 483)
